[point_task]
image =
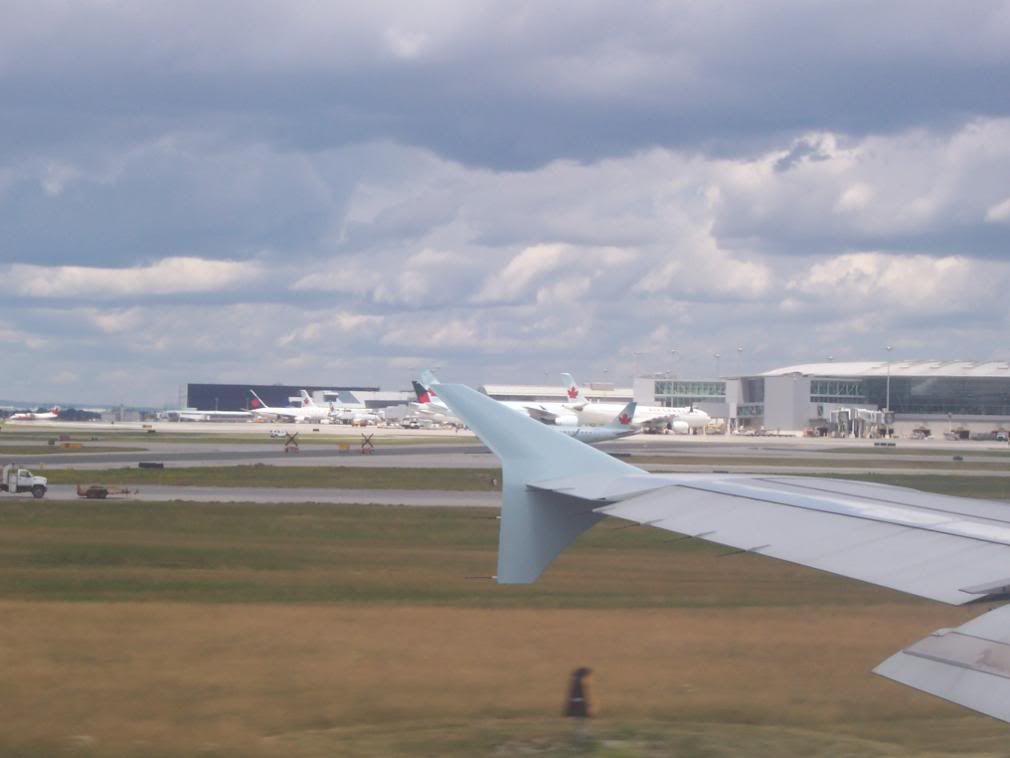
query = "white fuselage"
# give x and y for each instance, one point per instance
(593, 414)
(436, 412)
(33, 416)
(306, 414)
(346, 415)
(558, 414)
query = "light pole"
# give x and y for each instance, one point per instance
(887, 406)
(717, 370)
(739, 361)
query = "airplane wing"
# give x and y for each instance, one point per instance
(950, 549)
(541, 414)
(945, 548)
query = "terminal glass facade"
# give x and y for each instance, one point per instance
(681, 393)
(837, 391)
(958, 396)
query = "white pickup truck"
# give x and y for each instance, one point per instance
(16, 479)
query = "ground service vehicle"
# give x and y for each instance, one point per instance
(16, 479)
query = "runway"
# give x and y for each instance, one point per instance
(184, 445)
(189, 454)
(274, 495)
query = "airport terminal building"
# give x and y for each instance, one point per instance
(925, 398)
(935, 396)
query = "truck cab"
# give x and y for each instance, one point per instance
(16, 479)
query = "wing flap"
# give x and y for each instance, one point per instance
(969, 665)
(942, 552)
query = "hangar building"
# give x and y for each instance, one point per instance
(236, 397)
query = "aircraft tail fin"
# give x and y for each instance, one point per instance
(575, 397)
(625, 418)
(423, 396)
(256, 402)
(536, 524)
(307, 400)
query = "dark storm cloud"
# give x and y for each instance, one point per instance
(518, 86)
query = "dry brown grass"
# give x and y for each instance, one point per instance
(271, 679)
(317, 631)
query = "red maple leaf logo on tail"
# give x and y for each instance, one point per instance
(573, 392)
(255, 403)
(624, 418)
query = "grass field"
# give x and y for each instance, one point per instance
(147, 629)
(347, 477)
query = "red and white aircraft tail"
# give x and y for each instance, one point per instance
(576, 399)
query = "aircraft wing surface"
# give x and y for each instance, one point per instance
(969, 665)
(945, 548)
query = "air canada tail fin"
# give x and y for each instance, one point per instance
(626, 417)
(307, 401)
(536, 525)
(575, 397)
(423, 396)
(256, 402)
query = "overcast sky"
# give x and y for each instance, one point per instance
(309, 193)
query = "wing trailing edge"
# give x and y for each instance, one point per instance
(969, 665)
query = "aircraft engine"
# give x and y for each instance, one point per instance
(681, 427)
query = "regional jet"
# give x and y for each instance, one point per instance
(653, 417)
(346, 413)
(53, 413)
(621, 426)
(194, 414)
(952, 549)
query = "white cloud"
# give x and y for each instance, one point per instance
(57, 176)
(887, 188)
(529, 265)
(328, 326)
(882, 285)
(169, 276)
(118, 321)
(436, 334)
(1000, 212)
(404, 44)
(12, 336)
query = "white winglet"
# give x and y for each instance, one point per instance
(536, 525)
